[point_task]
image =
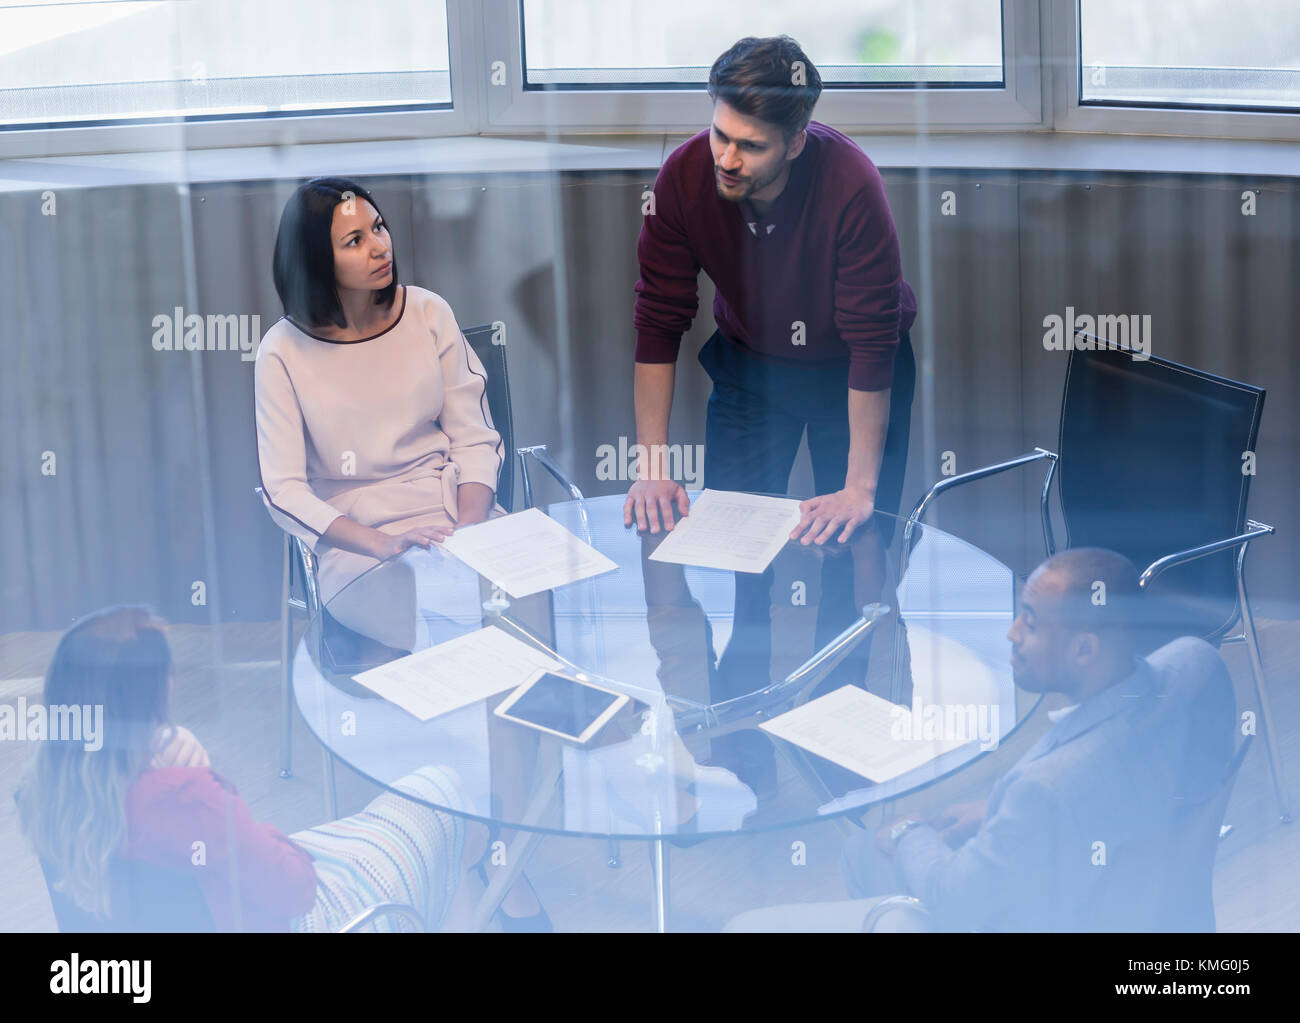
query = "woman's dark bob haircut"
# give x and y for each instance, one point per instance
(771, 79)
(304, 253)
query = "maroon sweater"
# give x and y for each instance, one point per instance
(169, 809)
(824, 254)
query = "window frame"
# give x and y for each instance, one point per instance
(1040, 94)
(1064, 62)
(207, 132)
(1017, 104)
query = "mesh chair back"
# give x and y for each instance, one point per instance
(493, 357)
(142, 899)
(1151, 463)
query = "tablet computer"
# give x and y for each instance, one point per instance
(569, 708)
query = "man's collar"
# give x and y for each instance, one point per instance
(1100, 706)
(786, 207)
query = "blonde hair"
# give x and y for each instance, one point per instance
(72, 801)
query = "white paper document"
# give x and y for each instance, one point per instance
(526, 553)
(861, 732)
(730, 530)
(455, 674)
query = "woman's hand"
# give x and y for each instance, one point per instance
(421, 536)
(349, 535)
(178, 747)
(473, 503)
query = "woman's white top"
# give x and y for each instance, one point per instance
(379, 429)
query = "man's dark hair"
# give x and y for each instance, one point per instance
(303, 266)
(1112, 610)
(771, 79)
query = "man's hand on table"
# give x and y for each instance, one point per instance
(650, 501)
(957, 824)
(845, 510)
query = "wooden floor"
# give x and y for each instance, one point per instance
(1257, 883)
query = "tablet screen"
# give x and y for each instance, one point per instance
(561, 704)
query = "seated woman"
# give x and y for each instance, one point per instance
(373, 430)
(150, 798)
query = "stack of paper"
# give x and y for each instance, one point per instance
(861, 732)
(729, 530)
(526, 553)
(457, 673)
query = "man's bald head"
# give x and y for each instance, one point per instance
(1074, 630)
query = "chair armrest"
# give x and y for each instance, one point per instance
(548, 463)
(310, 601)
(383, 909)
(1037, 455)
(307, 560)
(893, 903)
(1254, 529)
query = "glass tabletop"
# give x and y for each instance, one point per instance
(706, 656)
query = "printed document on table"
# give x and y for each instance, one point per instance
(730, 530)
(861, 732)
(455, 674)
(526, 553)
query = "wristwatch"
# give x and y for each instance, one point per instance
(902, 828)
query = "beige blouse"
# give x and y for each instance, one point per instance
(379, 429)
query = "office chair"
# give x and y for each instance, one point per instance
(299, 592)
(1187, 884)
(152, 900)
(1151, 460)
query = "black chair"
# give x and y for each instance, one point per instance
(485, 341)
(298, 588)
(1151, 465)
(153, 900)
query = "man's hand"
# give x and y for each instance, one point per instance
(649, 500)
(957, 824)
(883, 842)
(847, 508)
(179, 748)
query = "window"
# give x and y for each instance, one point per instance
(1190, 53)
(612, 44)
(116, 61)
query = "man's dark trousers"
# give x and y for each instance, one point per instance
(757, 415)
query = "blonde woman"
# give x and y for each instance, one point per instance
(150, 794)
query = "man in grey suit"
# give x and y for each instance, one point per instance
(1077, 835)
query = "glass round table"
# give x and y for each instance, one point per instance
(756, 701)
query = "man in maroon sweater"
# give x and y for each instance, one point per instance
(789, 219)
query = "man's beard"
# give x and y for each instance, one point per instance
(753, 186)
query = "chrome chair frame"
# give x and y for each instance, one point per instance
(893, 904)
(383, 909)
(1241, 613)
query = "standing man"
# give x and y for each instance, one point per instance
(789, 219)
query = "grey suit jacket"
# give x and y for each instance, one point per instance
(1078, 835)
